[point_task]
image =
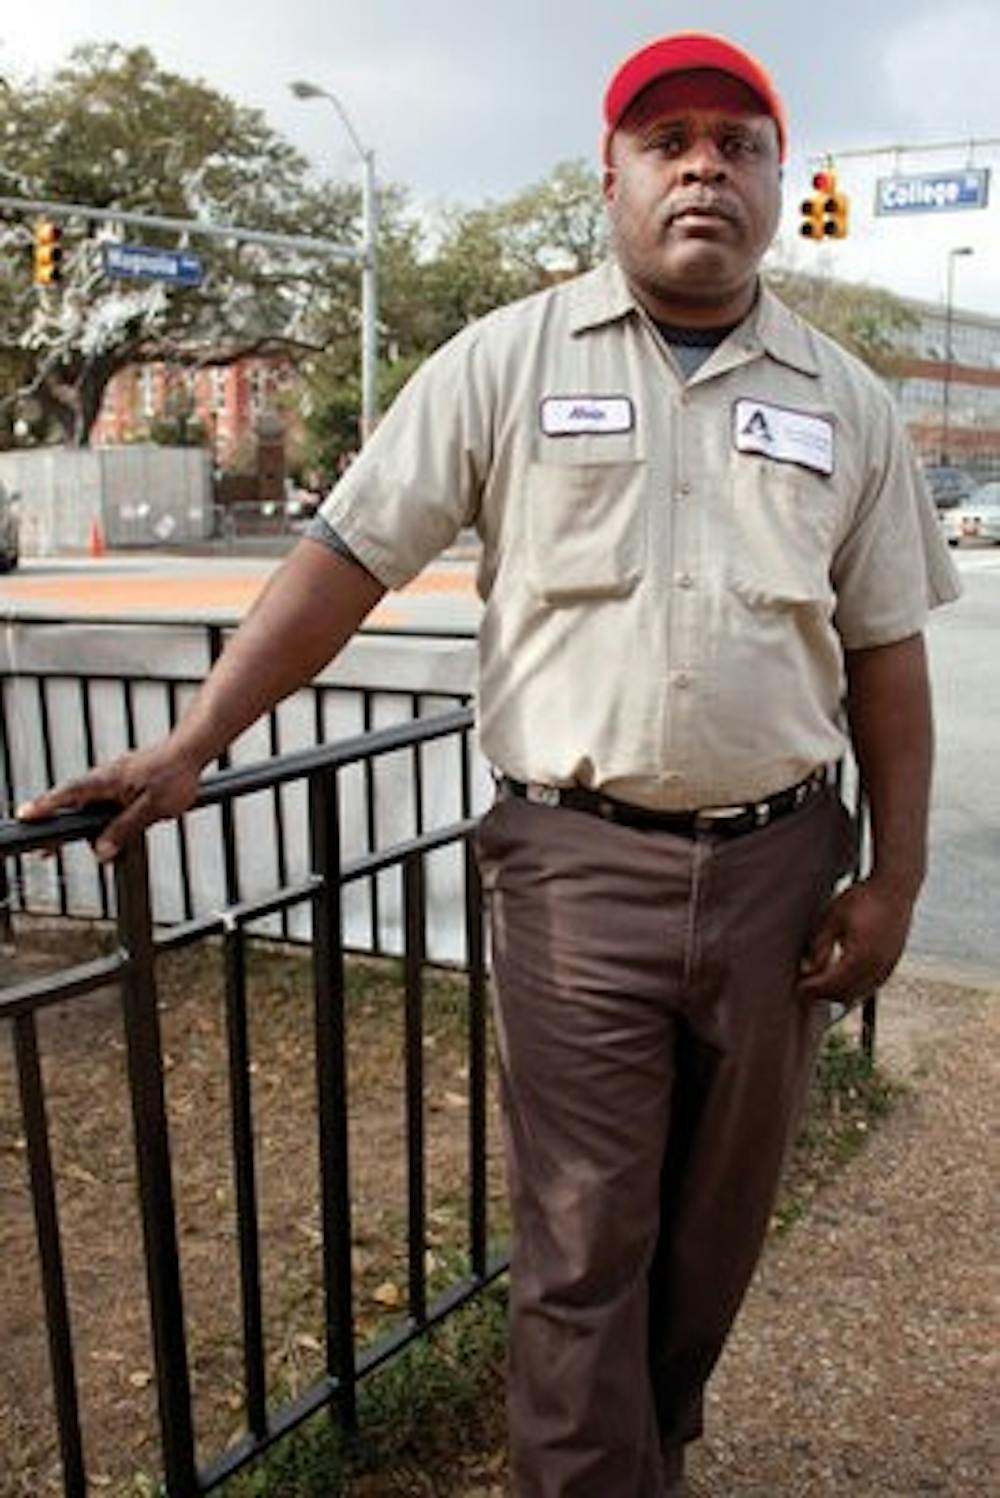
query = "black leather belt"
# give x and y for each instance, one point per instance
(717, 821)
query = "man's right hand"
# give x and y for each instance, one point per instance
(148, 784)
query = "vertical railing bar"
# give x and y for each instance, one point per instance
(44, 719)
(319, 722)
(128, 695)
(329, 986)
(50, 1255)
(413, 906)
(156, 1198)
(248, 1228)
(869, 1009)
(10, 800)
(183, 845)
(371, 823)
(230, 858)
(418, 781)
(278, 815)
(103, 873)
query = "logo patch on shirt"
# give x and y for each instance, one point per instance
(784, 435)
(578, 415)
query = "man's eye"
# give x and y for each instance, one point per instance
(736, 146)
(671, 144)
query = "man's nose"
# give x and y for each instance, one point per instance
(704, 162)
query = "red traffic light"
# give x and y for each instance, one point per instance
(825, 182)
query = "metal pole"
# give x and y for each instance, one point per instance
(948, 359)
(303, 89)
(369, 301)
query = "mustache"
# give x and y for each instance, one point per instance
(701, 201)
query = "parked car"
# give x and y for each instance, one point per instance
(949, 486)
(9, 543)
(977, 519)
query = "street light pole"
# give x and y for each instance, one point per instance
(369, 266)
(948, 358)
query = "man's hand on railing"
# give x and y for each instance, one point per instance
(149, 785)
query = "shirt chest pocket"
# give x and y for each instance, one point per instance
(585, 526)
(783, 534)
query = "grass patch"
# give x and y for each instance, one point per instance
(420, 1415)
(850, 1096)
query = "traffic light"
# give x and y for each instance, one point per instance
(811, 225)
(48, 253)
(824, 212)
(835, 214)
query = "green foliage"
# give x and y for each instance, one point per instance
(482, 258)
(113, 130)
(867, 320)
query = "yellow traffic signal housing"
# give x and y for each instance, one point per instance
(835, 216)
(48, 253)
(824, 212)
(811, 225)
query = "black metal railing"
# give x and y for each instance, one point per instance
(67, 717)
(132, 968)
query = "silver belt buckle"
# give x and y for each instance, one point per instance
(705, 820)
(541, 795)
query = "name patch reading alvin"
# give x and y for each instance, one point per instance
(786, 436)
(576, 415)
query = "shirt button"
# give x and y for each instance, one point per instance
(682, 680)
(683, 490)
(685, 580)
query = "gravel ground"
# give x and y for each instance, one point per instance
(863, 1363)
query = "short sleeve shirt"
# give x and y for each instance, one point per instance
(671, 570)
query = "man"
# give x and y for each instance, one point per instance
(707, 562)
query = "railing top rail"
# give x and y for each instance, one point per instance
(17, 838)
(226, 619)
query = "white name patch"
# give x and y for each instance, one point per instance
(574, 415)
(784, 435)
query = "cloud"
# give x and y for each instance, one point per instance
(942, 67)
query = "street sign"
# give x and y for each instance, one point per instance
(143, 262)
(933, 192)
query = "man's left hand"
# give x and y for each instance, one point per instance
(858, 943)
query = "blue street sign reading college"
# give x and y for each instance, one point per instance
(933, 192)
(140, 261)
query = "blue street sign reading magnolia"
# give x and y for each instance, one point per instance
(933, 192)
(141, 261)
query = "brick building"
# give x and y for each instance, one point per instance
(226, 401)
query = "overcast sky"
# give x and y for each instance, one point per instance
(463, 102)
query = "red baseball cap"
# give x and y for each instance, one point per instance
(682, 53)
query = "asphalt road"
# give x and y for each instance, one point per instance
(958, 918)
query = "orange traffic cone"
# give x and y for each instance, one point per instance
(95, 539)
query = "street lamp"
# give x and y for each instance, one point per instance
(369, 291)
(953, 255)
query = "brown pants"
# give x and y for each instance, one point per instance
(654, 1058)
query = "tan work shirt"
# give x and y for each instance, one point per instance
(670, 570)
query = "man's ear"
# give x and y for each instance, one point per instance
(608, 174)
